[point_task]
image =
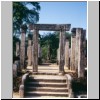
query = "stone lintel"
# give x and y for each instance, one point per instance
(50, 27)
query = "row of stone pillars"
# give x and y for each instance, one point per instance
(33, 52)
(75, 56)
(73, 61)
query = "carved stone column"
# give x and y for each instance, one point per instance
(85, 48)
(58, 56)
(17, 49)
(35, 50)
(39, 54)
(73, 45)
(67, 53)
(79, 52)
(62, 50)
(22, 46)
(29, 52)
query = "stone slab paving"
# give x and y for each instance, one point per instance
(49, 68)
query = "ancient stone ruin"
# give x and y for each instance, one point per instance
(74, 62)
(74, 58)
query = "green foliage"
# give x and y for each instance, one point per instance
(44, 52)
(30, 36)
(79, 85)
(50, 43)
(22, 13)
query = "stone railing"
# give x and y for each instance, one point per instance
(69, 80)
(22, 86)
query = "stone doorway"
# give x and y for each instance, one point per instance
(49, 27)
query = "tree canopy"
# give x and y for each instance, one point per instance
(50, 43)
(24, 12)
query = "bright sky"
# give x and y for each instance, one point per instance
(74, 13)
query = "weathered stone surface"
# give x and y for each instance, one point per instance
(76, 51)
(17, 49)
(22, 51)
(14, 70)
(39, 55)
(50, 27)
(80, 52)
(84, 51)
(32, 53)
(35, 49)
(67, 54)
(21, 91)
(62, 50)
(39, 51)
(73, 45)
(29, 52)
(22, 46)
(58, 56)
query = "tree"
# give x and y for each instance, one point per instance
(50, 43)
(24, 12)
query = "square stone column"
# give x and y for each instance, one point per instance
(80, 52)
(39, 55)
(67, 53)
(29, 52)
(58, 56)
(85, 50)
(35, 50)
(22, 46)
(39, 51)
(73, 45)
(17, 49)
(48, 53)
(62, 50)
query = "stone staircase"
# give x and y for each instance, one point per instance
(46, 86)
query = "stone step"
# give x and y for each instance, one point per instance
(43, 84)
(46, 97)
(61, 77)
(46, 73)
(46, 84)
(36, 93)
(31, 79)
(47, 89)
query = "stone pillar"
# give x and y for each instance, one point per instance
(35, 50)
(69, 57)
(73, 45)
(32, 54)
(62, 50)
(58, 56)
(48, 53)
(39, 55)
(84, 50)
(67, 53)
(79, 52)
(76, 51)
(29, 52)
(17, 49)
(22, 46)
(39, 51)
